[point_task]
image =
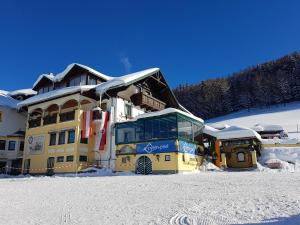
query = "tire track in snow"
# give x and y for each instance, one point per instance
(65, 216)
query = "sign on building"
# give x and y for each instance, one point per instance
(156, 147)
(36, 144)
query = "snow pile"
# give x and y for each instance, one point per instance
(284, 158)
(208, 166)
(280, 164)
(26, 92)
(274, 141)
(219, 126)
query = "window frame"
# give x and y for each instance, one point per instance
(62, 141)
(50, 139)
(3, 142)
(74, 140)
(67, 158)
(21, 146)
(83, 156)
(9, 145)
(167, 158)
(60, 157)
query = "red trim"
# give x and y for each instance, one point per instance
(103, 137)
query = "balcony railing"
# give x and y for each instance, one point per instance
(148, 101)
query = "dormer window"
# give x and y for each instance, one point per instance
(45, 89)
(78, 81)
(92, 81)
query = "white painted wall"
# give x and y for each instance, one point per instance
(12, 121)
(11, 154)
(117, 109)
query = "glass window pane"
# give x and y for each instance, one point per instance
(82, 80)
(11, 145)
(2, 144)
(52, 139)
(71, 136)
(61, 139)
(185, 129)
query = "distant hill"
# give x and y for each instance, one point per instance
(274, 82)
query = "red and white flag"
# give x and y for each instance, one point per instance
(101, 138)
(87, 124)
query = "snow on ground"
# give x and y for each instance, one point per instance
(196, 198)
(286, 116)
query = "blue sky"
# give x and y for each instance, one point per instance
(189, 40)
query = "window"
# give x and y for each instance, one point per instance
(185, 129)
(21, 146)
(82, 158)
(78, 81)
(68, 116)
(128, 110)
(92, 81)
(0, 116)
(83, 140)
(2, 144)
(52, 139)
(61, 138)
(71, 136)
(60, 159)
(11, 145)
(70, 158)
(155, 128)
(124, 159)
(241, 156)
(167, 158)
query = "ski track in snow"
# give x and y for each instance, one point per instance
(207, 198)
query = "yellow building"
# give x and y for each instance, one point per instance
(53, 142)
(159, 142)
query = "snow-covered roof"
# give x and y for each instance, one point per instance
(7, 101)
(128, 79)
(58, 77)
(210, 131)
(232, 132)
(219, 126)
(26, 92)
(54, 94)
(267, 127)
(164, 112)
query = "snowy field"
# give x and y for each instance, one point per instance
(197, 198)
(287, 116)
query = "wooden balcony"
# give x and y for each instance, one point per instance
(148, 101)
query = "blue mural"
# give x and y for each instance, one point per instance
(186, 147)
(156, 147)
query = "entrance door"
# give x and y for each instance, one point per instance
(27, 166)
(2, 167)
(144, 165)
(50, 166)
